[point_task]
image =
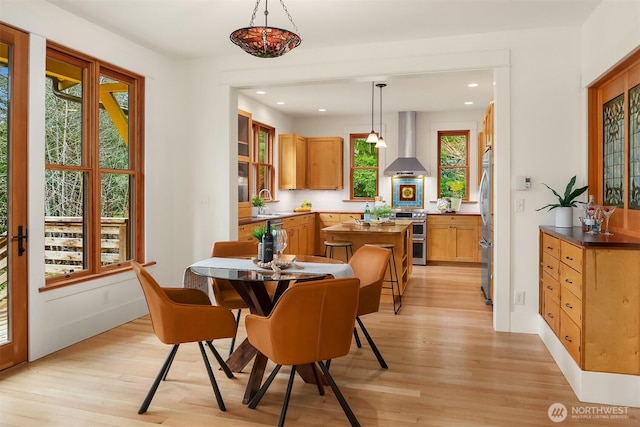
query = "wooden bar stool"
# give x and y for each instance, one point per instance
(393, 279)
(329, 246)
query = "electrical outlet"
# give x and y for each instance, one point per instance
(519, 205)
(518, 298)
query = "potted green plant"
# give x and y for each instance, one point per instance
(258, 232)
(257, 205)
(564, 214)
(382, 212)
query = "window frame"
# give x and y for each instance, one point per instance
(258, 127)
(352, 168)
(467, 134)
(93, 69)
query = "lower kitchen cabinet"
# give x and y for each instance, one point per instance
(454, 237)
(590, 298)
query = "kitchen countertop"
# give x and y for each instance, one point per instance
(350, 227)
(278, 215)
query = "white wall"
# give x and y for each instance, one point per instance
(60, 317)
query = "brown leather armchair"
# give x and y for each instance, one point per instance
(310, 323)
(369, 264)
(180, 315)
(223, 291)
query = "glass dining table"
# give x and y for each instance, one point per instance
(249, 280)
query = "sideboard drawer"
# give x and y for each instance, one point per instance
(552, 287)
(551, 245)
(570, 335)
(571, 280)
(551, 312)
(571, 305)
(550, 265)
(571, 255)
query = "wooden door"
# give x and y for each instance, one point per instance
(14, 47)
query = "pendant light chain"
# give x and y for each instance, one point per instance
(372, 96)
(266, 13)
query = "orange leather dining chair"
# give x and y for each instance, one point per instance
(310, 323)
(223, 291)
(183, 315)
(369, 264)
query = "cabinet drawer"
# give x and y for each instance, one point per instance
(571, 255)
(329, 218)
(454, 220)
(290, 222)
(349, 217)
(551, 288)
(551, 313)
(551, 245)
(570, 335)
(571, 304)
(571, 280)
(550, 265)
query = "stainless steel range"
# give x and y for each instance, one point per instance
(419, 228)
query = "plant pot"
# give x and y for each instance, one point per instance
(564, 217)
(255, 210)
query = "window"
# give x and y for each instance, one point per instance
(262, 158)
(453, 167)
(93, 167)
(364, 168)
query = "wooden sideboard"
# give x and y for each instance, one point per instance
(590, 297)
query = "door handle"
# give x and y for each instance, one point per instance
(21, 238)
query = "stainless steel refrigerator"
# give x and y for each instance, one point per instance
(486, 212)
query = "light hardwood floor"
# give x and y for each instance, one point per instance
(447, 367)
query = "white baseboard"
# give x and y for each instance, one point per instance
(591, 387)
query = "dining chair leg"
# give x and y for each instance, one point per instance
(383, 364)
(258, 396)
(287, 396)
(161, 375)
(214, 384)
(233, 340)
(221, 362)
(317, 379)
(328, 363)
(355, 335)
(345, 406)
(164, 377)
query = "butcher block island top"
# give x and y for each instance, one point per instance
(397, 233)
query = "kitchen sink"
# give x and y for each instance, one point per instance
(269, 215)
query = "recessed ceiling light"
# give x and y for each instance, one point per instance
(260, 92)
(280, 102)
(322, 110)
(468, 103)
(472, 85)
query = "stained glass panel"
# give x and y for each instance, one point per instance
(634, 148)
(613, 137)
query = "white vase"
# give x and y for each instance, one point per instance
(564, 217)
(255, 210)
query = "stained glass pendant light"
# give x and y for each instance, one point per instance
(381, 143)
(266, 42)
(373, 136)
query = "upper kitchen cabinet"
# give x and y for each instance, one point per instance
(292, 162)
(244, 163)
(324, 162)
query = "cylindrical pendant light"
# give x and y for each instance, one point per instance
(373, 137)
(381, 143)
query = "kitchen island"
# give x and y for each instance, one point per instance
(398, 233)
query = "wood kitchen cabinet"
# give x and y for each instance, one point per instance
(300, 241)
(590, 298)
(453, 237)
(324, 162)
(292, 162)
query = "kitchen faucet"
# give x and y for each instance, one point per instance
(268, 194)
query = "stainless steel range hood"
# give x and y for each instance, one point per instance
(406, 163)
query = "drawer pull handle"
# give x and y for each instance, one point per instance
(569, 258)
(566, 337)
(549, 247)
(568, 306)
(550, 315)
(549, 267)
(568, 281)
(550, 287)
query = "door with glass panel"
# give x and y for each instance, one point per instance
(13, 196)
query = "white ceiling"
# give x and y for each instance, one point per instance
(177, 28)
